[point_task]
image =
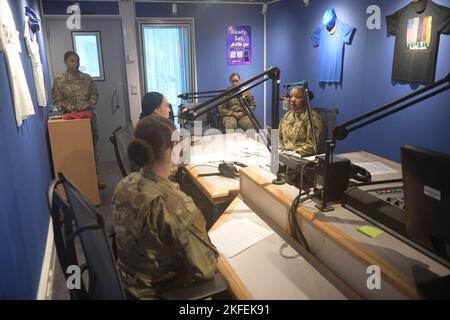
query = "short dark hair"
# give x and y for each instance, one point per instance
(150, 102)
(235, 74)
(68, 54)
(153, 136)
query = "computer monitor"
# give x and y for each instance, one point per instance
(426, 179)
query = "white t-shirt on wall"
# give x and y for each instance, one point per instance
(38, 73)
(10, 45)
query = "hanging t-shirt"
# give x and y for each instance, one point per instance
(10, 45)
(417, 28)
(35, 56)
(331, 52)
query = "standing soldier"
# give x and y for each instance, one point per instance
(233, 116)
(295, 129)
(74, 91)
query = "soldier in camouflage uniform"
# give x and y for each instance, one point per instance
(233, 116)
(75, 91)
(161, 235)
(295, 129)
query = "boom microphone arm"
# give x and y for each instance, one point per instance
(272, 73)
(342, 131)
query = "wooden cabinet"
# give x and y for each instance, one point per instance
(73, 154)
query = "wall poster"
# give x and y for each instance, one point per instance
(239, 45)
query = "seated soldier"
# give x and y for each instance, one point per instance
(233, 116)
(155, 103)
(161, 235)
(295, 129)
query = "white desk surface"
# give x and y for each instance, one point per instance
(209, 151)
(267, 271)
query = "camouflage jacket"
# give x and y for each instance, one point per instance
(295, 132)
(161, 236)
(74, 93)
(228, 108)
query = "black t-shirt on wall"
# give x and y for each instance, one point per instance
(417, 27)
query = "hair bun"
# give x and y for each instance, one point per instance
(141, 152)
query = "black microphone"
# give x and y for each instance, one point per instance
(183, 96)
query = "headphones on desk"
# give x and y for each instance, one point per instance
(227, 169)
(360, 174)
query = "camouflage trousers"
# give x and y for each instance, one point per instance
(233, 123)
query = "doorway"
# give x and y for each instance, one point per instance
(99, 43)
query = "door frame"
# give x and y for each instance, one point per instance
(166, 22)
(47, 18)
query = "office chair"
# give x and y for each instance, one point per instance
(328, 117)
(215, 120)
(104, 281)
(81, 220)
(120, 139)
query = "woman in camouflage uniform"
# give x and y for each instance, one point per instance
(75, 91)
(233, 116)
(295, 129)
(161, 235)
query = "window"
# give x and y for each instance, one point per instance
(168, 59)
(87, 46)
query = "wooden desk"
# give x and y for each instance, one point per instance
(205, 156)
(73, 154)
(285, 274)
(335, 241)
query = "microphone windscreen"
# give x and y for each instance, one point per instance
(305, 84)
(286, 103)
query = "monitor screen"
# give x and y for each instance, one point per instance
(426, 178)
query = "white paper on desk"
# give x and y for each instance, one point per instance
(376, 167)
(237, 235)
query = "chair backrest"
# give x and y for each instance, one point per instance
(120, 139)
(62, 221)
(328, 117)
(78, 211)
(215, 121)
(209, 120)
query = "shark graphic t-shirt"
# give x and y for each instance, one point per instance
(417, 28)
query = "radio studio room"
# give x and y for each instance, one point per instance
(225, 150)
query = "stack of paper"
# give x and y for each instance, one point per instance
(237, 235)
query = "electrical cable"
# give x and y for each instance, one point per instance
(293, 223)
(282, 247)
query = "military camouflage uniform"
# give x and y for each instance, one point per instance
(77, 93)
(161, 236)
(295, 132)
(227, 109)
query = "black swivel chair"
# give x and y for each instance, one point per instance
(120, 139)
(104, 282)
(328, 117)
(74, 218)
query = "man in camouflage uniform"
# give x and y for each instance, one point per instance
(232, 113)
(295, 129)
(75, 91)
(161, 237)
